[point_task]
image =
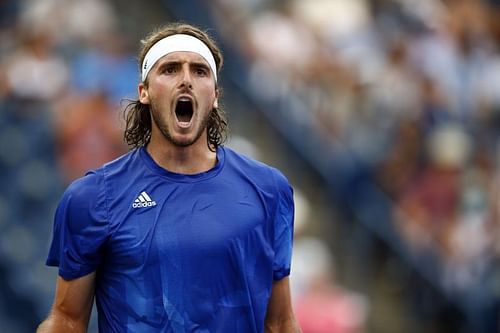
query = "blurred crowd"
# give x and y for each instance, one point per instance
(67, 59)
(412, 90)
(64, 69)
(410, 87)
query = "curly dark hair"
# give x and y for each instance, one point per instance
(138, 116)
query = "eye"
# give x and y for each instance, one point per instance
(200, 71)
(168, 69)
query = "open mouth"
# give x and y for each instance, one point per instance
(184, 110)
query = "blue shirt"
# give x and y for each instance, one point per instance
(174, 252)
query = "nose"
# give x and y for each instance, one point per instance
(186, 79)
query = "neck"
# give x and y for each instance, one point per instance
(192, 159)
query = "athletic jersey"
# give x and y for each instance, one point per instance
(174, 252)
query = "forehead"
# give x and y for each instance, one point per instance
(183, 56)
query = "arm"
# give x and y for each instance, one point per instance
(72, 306)
(280, 317)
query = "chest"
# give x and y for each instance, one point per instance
(188, 223)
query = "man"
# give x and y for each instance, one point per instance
(181, 234)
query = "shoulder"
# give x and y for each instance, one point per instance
(92, 186)
(85, 193)
(122, 163)
(249, 164)
(257, 170)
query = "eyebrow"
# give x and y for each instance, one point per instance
(196, 64)
(201, 65)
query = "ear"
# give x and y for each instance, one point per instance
(143, 93)
(216, 100)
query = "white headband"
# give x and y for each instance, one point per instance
(176, 43)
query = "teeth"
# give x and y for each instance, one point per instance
(185, 99)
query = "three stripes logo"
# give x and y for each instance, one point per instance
(143, 201)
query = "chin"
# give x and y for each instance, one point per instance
(183, 142)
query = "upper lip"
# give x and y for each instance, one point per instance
(185, 96)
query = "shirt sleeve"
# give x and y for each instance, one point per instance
(283, 229)
(80, 228)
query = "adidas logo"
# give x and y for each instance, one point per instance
(143, 200)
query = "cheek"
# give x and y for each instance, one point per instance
(161, 87)
(212, 100)
(161, 96)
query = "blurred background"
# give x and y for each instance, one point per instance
(384, 115)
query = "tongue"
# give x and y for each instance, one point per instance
(184, 118)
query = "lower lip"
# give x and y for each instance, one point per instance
(183, 124)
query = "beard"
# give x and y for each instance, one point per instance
(162, 125)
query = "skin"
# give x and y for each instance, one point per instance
(280, 317)
(176, 146)
(72, 306)
(179, 147)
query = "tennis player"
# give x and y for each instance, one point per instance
(181, 234)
